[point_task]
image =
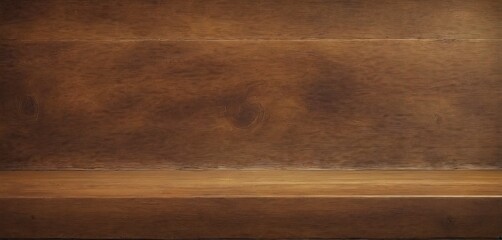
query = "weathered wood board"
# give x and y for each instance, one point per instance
(251, 104)
(250, 19)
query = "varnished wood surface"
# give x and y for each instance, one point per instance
(251, 104)
(250, 204)
(246, 183)
(244, 84)
(165, 218)
(249, 19)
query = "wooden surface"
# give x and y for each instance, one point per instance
(250, 84)
(246, 183)
(237, 85)
(264, 218)
(249, 19)
(251, 104)
(250, 204)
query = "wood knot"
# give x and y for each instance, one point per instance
(244, 115)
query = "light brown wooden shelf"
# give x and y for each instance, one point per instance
(243, 204)
(246, 183)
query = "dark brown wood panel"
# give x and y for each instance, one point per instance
(273, 217)
(250, 19)
(259, 104)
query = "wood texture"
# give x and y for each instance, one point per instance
(246, 183)
(245, 84)
(251, 218)
(250, 104)
(249, 19)
(250, 204)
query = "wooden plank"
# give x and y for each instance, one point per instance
(258, 104)
(178, 218)
(250, 204)
(248, 183)
(250, 19)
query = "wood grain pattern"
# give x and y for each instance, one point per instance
(195, 218)
(250, 204)
(246, 183)
(251, 104)
(250, 84)
(249, 19)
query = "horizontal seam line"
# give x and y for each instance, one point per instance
(250, 196)
(249, 40)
